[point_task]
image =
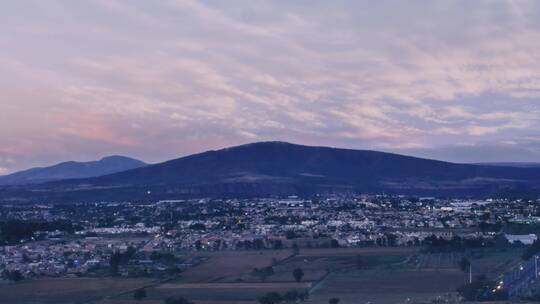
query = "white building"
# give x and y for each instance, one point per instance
(526, 239)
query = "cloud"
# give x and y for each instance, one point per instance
(159, 80)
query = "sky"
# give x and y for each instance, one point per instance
(156, 80)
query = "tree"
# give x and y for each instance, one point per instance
(263, 273)
(333, 301)
(177, 300)
(482, 290)
(277, 244)
(139, 294)
(270, 298)
(464, 264)
(258, 244)
(14, 275)
(118, 258)
(26, 258)
(295, 248)
(298, 274)
(290, 234)
(391, 239)
(197, 226)
(114, 262)
(293, 296)
(531, 250)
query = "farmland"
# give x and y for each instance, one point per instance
(389, 286)
(327, 273)
(355, 275)
(67, 290)
(230, 266)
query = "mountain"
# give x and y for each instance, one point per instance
(72, 169)
(512, 164)
(278, 168)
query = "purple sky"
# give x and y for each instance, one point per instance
(454, 80)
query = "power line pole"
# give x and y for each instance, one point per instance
(536, 267)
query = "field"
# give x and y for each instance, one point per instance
(389, 286)
(66, 290)
(229, 265)
(420, 278)
(355, 275)
(225, 277)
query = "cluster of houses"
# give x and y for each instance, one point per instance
(173, 227)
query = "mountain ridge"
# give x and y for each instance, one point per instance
(280, 168)
(71, 169)
(511, 164)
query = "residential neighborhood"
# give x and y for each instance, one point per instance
(149, 239)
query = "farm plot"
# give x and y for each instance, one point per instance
(67, 290)
(229, 266)
(436, 260)
(488, 262)
(387, 286)
(218, 292)
(492, 263)
(316, 263)
(401, 251)
(218, 279)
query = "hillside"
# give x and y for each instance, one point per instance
(72, 169)
(512, 164)
(278, 168)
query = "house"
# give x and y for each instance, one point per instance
(526, 239)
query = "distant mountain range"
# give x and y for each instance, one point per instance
(72, 169)
(279, 168)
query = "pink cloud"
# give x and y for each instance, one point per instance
(93, 126)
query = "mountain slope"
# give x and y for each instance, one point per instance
(512, 164)
(277, 168)
(72, 169)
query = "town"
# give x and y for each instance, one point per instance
(147, 239)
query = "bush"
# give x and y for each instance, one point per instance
(291, 296)
(14, 276)
(263, 273)
(531, 250)
(177, 300)
(464, 264)
(139, 294)
(270, 298)
(482, 290)
(298, 274)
